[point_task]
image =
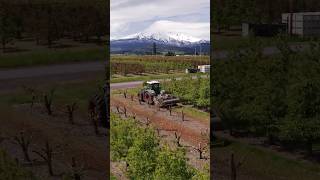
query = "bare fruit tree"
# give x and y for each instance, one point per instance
(148, 122)
(170, 110)
(182, 115)
(46, 153)
(118, 110)
(24, 141)
(93, 117)
(206, 135)
(236, 166)
(48, 98)
(70, 111)
(33, 93)
(125, 111)
(200, 149)
(77, 170)
(177, 138)
(125, 94)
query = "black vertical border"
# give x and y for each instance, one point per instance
(211, 90)
(107, 89)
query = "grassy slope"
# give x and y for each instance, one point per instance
(263, 164)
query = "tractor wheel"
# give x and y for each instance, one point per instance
(149, 98)
(140, 96)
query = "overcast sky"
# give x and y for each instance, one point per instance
(134, 16)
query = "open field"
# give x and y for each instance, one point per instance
(260, 163)
(144, 77)
(49, 57)
(125, 65)
(67, 51)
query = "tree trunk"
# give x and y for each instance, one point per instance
(50, 167)
(3, 45)
(233, 168)
(26, 154)
(309, 147)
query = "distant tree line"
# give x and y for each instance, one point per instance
(233, 12)
(273, 97)
(47, 21)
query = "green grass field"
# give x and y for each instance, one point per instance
(223, 42)
(48, 57)
(64, 94)
(10, 170)
(263, 164)
(147, 77)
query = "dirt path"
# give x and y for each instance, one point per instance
(191, 129)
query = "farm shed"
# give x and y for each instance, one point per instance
(303, 23)
(266, 30)
(204, 68)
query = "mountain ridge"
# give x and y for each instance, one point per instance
(165, 41)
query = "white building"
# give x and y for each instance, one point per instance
(204, 68)
(302, 24)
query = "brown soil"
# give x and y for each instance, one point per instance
(78, 141)
(193, 130)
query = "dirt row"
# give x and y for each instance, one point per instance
(192, 130)
(68, 141)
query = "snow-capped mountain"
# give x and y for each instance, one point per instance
(171, 38)
(165, 41)
(180, 37)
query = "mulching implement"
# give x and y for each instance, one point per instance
(153, 95)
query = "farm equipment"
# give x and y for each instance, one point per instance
(152, 94)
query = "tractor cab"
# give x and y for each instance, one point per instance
(153, 85)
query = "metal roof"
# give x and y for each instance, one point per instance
(152, 82)
(304, 13)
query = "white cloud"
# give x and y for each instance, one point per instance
(194, 29)
(131, 16)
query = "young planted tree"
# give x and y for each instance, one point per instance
(77, 170)
(172, 164)
(46, 153)
(122, 136)
(142, 155)
(125, 111)
(24, 141)
(70, 111)
(201, 150)
(93, 116)
(177, 138)
(47, 100)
